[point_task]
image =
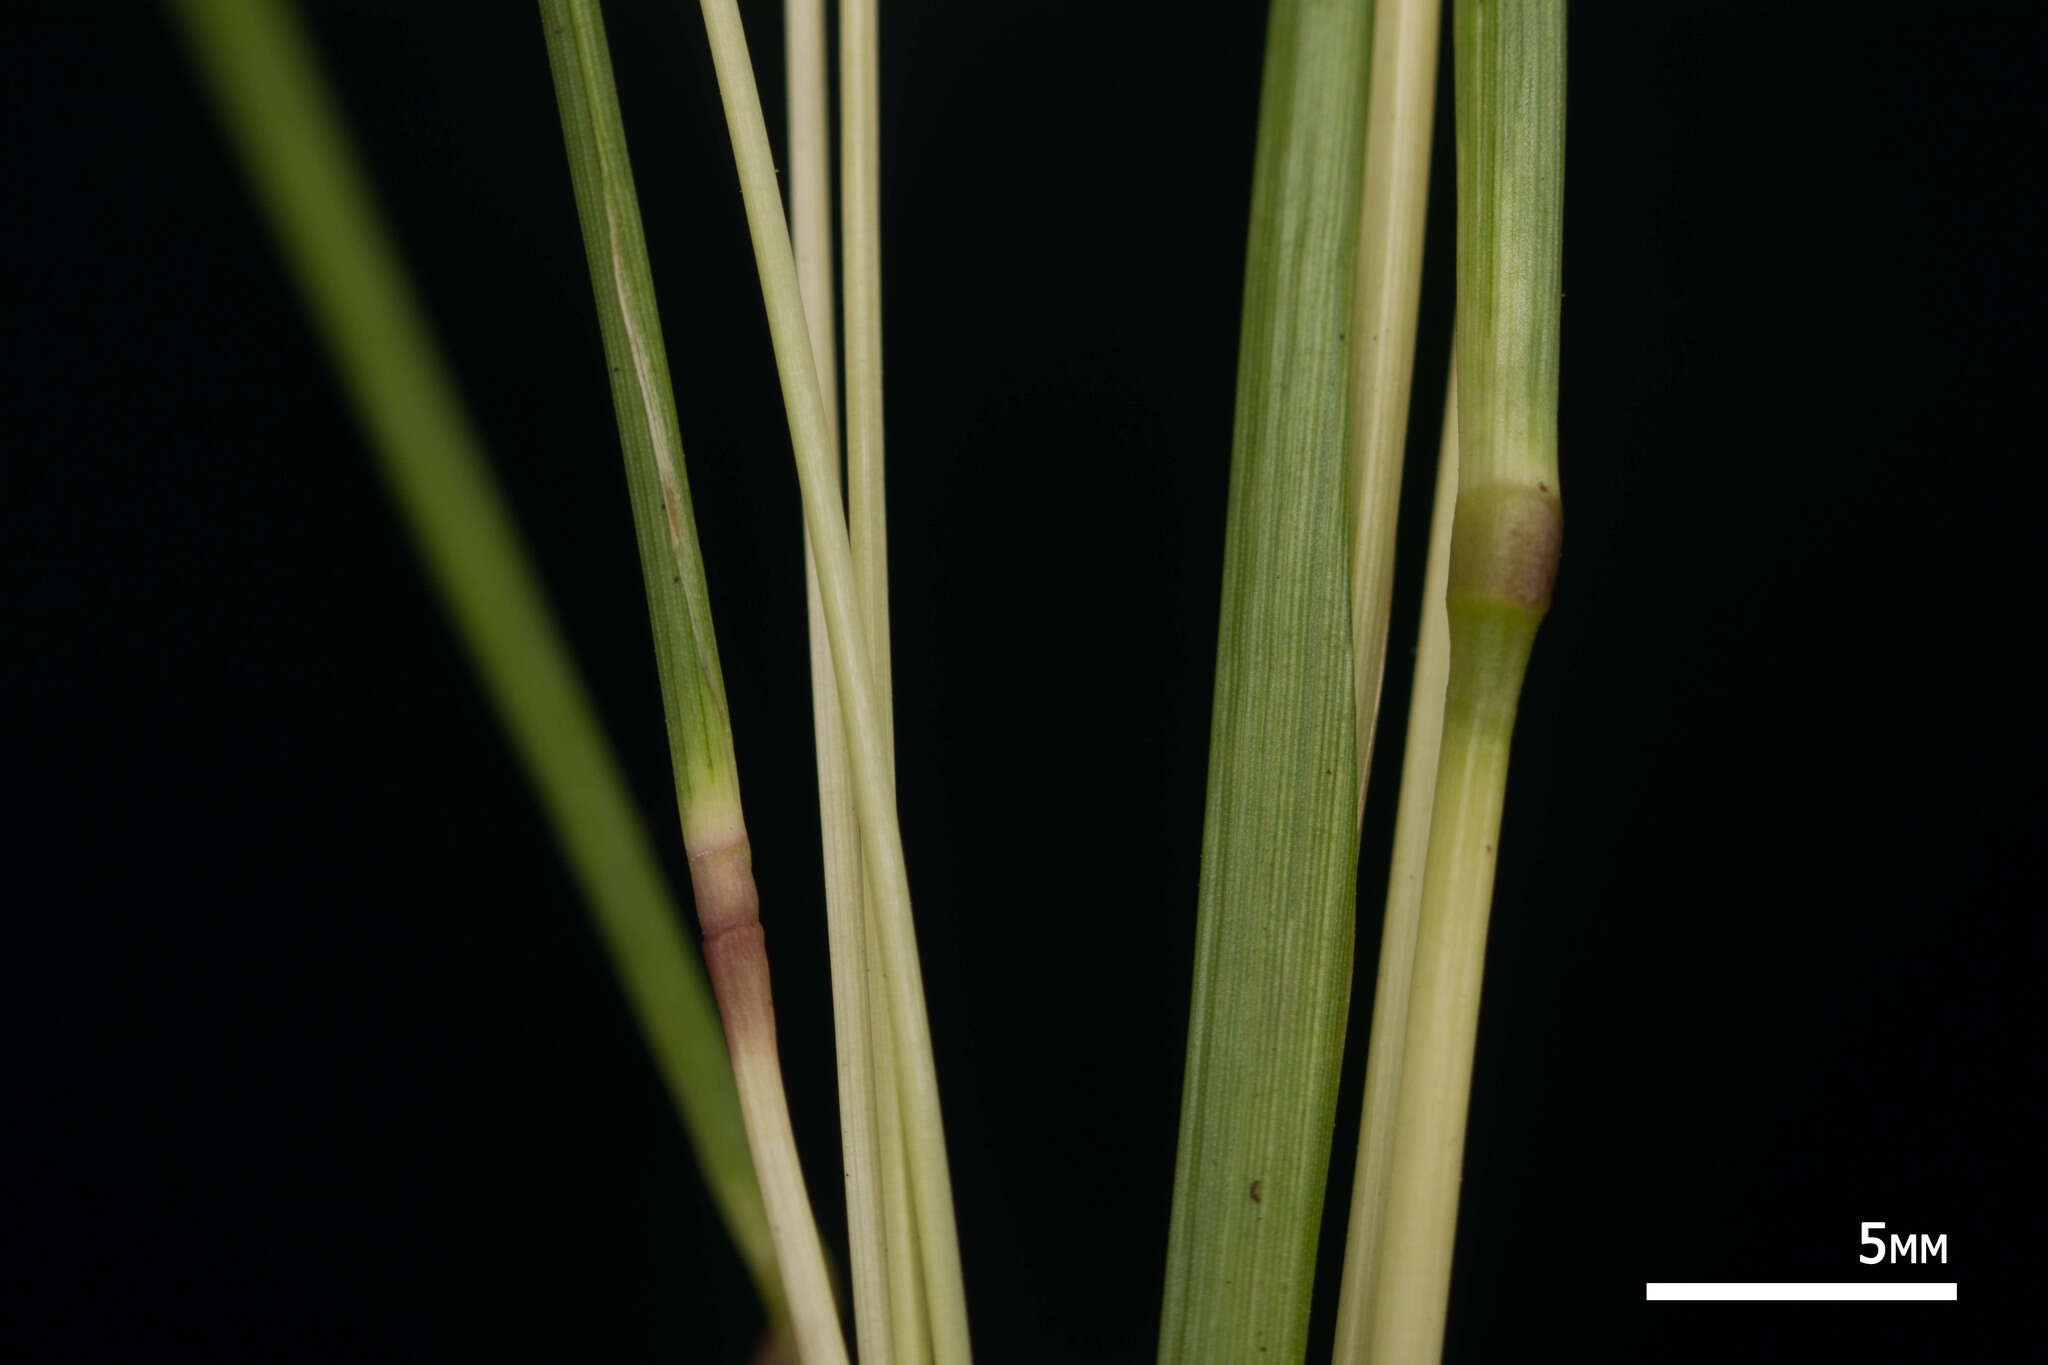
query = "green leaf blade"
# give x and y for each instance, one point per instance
(1274, 938)
(277, 109)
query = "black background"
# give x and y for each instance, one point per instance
(309, 1050)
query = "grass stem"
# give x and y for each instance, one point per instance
(693, 690)
(1489, 647)
(1401, 106)
(860, 230)
(1400, 111)
(1404, 906)
(860, 141)
(1509, 60)
(854, 1012)
(882, 839)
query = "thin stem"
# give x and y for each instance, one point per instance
(735, 954)
(671, 565)
(1505, 540)
(1401, 105)
(1404, 905)
(882, 839)
(1510, 115)
(861, 232)
(810, 195)
(275, 103)
(693, 691)
(810, 187)
(911, 1326)
(1489, 648)
(861, 228)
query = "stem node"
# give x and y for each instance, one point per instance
(1505, 544)
(723, 880)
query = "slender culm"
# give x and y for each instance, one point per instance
(854, 673)
(1386, 298)
(860, 219)
(1362, 1261)
(1399, 122)
(686, 652)
(1505, 542)
(854, 1011)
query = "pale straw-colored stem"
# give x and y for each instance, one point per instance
(810, 218)
(882, 839)
(1404, 903)
(860, 218)
(910, 1325)
(1400, 112)
(1400, 109)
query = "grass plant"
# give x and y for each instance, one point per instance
(1325, 364)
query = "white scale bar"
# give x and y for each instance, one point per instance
(1723, 1292)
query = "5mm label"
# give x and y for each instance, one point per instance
(1920, 1248)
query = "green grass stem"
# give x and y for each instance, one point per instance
(1509, 60)
(1489, 647)
(284, 122)
(693, 691)
(1279, 859)
(622, 283)
(1510, 129)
